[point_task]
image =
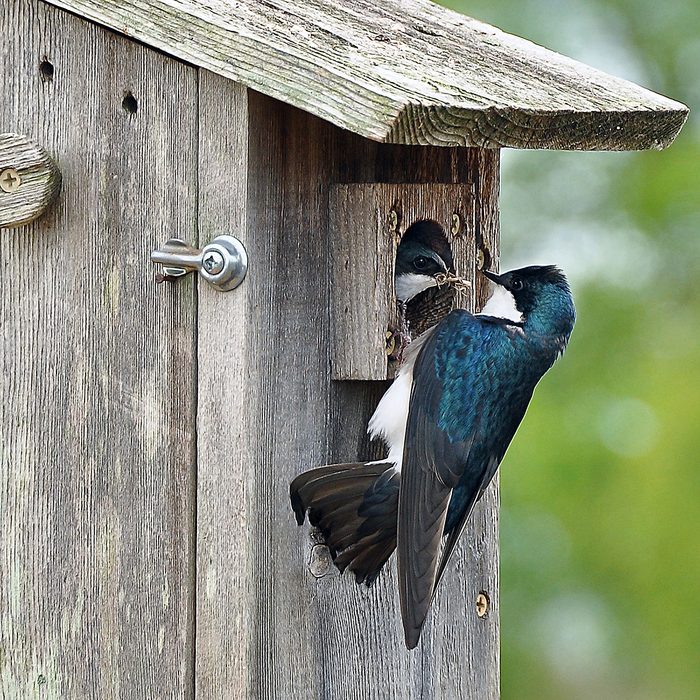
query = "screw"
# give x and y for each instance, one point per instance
(480, 259)
(482, 604)
(456, 224)
(10, 180)
(393, 221)
(213, 262)
(390, 343)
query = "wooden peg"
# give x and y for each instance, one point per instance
(29, 180)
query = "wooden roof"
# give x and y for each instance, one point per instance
(401, 71)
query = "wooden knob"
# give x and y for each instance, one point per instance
(29, 180)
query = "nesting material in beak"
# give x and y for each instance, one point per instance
(448, 278)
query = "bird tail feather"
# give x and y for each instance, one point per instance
(355, 507)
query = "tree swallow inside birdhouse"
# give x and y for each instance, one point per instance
(447, 421)
(423, 260)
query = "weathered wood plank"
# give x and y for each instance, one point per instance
(268, 409)
(475, 566)
(97, 409)
(401, 71)
(263, 412)
(363, 302)
(361, 629)
(227, 458)
(29, 180)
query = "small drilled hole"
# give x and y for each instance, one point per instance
(46, 70)
(130, 104)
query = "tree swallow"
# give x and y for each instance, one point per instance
(424, 280)
(423, 260)
(447, 421)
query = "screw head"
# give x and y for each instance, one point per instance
(10, 180)
(213, 262)
(390, 343)
(456, 226)
(393, 221)
(482, 604)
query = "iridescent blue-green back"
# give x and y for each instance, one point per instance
(474, 380)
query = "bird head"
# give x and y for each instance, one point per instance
(423, 256)
(539, 293)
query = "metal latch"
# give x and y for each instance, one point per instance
(223, 262)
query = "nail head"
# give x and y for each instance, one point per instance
(393, 221)
(456, 224)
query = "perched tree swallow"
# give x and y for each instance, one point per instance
(447, 421)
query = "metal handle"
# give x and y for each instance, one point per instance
(223, 262)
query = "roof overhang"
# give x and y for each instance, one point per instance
(401, 71)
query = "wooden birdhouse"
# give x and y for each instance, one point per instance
(150, 431)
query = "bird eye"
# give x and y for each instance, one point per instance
(420, 263)
(516, 285)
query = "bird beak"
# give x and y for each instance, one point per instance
(441, 263)
(492, 276)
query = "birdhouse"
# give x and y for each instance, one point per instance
(279, 151)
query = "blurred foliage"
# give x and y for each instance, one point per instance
(601, 488)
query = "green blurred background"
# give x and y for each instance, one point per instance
(601, 488)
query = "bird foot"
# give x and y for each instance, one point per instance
(396, 342)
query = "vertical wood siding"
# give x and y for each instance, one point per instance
(127, 569)
(97, 409)
(268, 408)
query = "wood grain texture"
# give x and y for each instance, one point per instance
(227, 458)
(458, 656)
(33, 173)
(363, 302)
(97, 409)
(268, 624)
(401, 71)
(264, 394)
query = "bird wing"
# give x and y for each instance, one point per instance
(459, 366)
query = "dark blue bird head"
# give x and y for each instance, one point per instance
(423, 254)
(542, 298)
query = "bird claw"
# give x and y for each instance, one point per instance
(396, 343)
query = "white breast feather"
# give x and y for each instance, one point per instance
(389, 419)
(410, 284)
(391, 415)
(501, 304)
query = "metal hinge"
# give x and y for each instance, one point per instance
(223, 262)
